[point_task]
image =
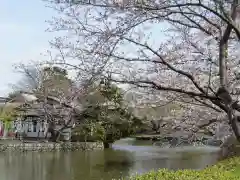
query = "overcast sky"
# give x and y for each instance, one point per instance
(23, 36)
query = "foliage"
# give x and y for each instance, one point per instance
(54, 82)
(109, 120)
(13, 94)
(225, 170)
(111, 92)
(108, 125)
(89, 132)
(7, 113)
(49, 80)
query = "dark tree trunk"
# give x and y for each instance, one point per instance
(52, 130)
(107, 145)
(234, 120)
(53, 134)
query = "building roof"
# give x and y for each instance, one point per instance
(31, 104)
(29, 97)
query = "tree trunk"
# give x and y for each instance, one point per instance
(223, 74)
(54, 134)
(234, 120)
(107, 145)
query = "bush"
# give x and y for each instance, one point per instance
(88, 133)
(225, 170)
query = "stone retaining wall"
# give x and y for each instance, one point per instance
(49, 146)
(170, 141)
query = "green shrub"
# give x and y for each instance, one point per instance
(225, 170)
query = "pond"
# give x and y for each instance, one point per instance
(126, 157)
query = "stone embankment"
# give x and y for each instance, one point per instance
(49, 146)
(171, 141)
(228, 144)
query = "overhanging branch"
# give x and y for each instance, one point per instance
(151, 84)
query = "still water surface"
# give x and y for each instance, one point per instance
(127, 157)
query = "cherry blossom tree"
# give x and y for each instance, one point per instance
(182, 49)
(55, 95)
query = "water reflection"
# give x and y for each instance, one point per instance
(124, 159)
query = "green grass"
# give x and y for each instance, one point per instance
(225, 170)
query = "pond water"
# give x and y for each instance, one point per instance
(126, 157)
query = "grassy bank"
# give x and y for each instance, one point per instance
(225, 170)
